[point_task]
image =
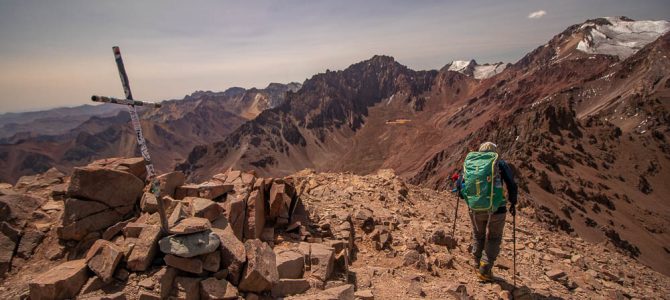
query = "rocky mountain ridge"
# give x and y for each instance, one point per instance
(585, 132)
(306, 236)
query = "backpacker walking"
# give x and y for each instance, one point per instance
(481, 186)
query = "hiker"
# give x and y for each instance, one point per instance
(481, 187)
(454, 179)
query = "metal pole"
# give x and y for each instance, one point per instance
(113, 100)
(151, 173)
(453, 228)
(514, 249)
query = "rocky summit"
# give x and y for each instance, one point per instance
(309, 235)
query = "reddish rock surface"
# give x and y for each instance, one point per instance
(61, 282)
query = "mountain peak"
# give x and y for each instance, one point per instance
(619, 36)
(473, 69)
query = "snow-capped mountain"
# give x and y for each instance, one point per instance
(619, 36)
(471, 68)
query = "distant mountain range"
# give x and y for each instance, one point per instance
(583, 120)
(102, 131)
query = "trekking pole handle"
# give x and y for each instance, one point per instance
(104, 99)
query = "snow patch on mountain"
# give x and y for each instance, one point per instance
(621, 37)
(471, 68)
(460, 65)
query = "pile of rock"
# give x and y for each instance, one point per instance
(235, 235)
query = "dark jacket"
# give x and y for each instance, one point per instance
(508, 178)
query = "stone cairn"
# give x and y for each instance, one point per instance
(222, 241)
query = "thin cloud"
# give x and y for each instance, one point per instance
(537, 14)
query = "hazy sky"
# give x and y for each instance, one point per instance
(58, 53)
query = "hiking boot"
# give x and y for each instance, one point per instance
(485, 272)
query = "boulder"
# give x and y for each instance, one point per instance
(29, 241)
(213, 189)
(93, 284)
(233, 177)
(190, 245)
(133, 229)
(149, 203)
(190, 225)
(103, 258)
(169, 182)
(113, 188)
(233, 254)
(188, 190)
(9, 236)
(280, 201)
(219, 289)
(236, 213)
(203, 208)
(261, 271)
(287, 287)
(290, 264)
(248, 178)
(255, 223)
(112, 231)
(187, 288)
(99, 198)
(321, 261)
(17, 209)
(81, 217)
(132, 165)
(61, 282)
(181, 211)
(145, 248)
(165, 277)
(211, 261)
(192, 265)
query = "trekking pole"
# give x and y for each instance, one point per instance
(453, 228)
(514, 249)
(137, 126)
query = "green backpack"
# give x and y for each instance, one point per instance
(482, 185)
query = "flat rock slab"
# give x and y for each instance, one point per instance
(190, 225)
(190, 245)
(322, 261)
(290, 264)
(103, 258)
(203, 208)
(287, 287)
(192, 265)
(261, 271)
(219, 289)
(145, 248)
(112, 187)
(169, 182)
(61, 282)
